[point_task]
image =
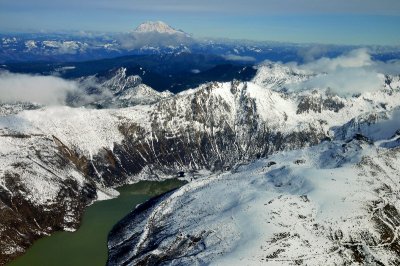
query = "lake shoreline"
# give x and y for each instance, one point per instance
(130, 196)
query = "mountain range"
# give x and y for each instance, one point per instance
(158, 38)
(56, 160)
(289, 163)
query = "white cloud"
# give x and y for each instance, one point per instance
(309, 54)
(347, 82)
(136, 40)
(352, 73)
(390, 68)
(354, 59)
(386, 128)
(46, 90)
(233, 57)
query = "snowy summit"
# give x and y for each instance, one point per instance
(158, 27)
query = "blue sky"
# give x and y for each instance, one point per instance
(310, 21)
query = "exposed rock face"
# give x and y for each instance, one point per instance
(205, 130)
(316, 102)
(58, 159)
(41, 191)
(15, 108)
(218, 125)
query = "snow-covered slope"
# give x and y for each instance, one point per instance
(333, 204)
(276, 76)
(141, 94)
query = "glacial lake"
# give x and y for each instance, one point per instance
(88, 245)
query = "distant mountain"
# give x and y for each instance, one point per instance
(118, 90)
(158, 27)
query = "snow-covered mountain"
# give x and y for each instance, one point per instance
(333, 204)
(55, 160)
(276, 76)
(158, 27)
(141, 94)
(115, 91)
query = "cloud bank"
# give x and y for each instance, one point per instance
(312, 53)
(351, 73)
(354, 59)
(136, 40)
(51, 90)
(47, 90)
(240, 58)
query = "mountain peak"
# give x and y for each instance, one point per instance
(157, 26)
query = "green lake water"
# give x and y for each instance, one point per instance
(88, 245)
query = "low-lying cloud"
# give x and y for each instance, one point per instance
(135, 40)
(47, 90)
(354, 59)
(347, 82)
(51, 90)
(240, 58)
(351, 73)
(309, 54)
